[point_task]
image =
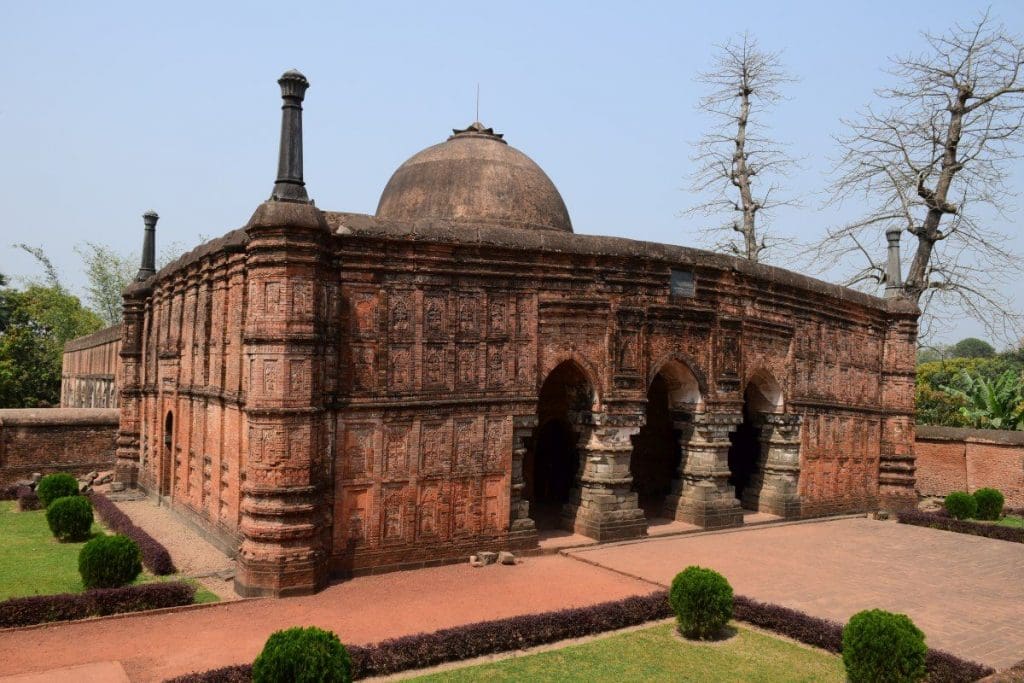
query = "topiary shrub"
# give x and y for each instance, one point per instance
(990, 503)
(302, 655)
(961, 505)
(54, 486)
(70, 518)
(109, 562)
(882, 647)
(702, 601)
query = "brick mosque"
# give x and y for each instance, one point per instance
(330, 393)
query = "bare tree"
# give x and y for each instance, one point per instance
(933, 163)
(738, 163)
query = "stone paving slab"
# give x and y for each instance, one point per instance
(965, 592)
(154, 647)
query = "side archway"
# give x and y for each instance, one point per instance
(167, 454)
(762, 396)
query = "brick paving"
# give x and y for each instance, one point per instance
(154, 647)
(966, 593)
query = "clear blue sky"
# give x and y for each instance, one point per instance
(109, 109)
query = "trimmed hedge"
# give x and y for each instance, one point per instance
(702, 601)
(882, 646)
(990, 503)
(109, 562)
(155, 556)
(302, 655)
(939, 521)
(28, 500)
(70, 518)
(961, 505)
(54, 486)
(502, 635)
(39, 609)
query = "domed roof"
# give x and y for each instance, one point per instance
(474, 177)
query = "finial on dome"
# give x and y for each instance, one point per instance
(477, 130)
(290, 186)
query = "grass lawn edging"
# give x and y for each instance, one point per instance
(100, 602)
(938, 520)
(155, 556)
(516, 633)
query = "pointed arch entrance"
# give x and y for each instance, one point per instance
(656, 462)
(551, 468)
(167, 454)
(748, 449)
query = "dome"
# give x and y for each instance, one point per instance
(474, 177)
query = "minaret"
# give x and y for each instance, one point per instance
(290, 186)
(893, 270)
(148, 267)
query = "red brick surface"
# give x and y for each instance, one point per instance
(89, 370)
(966, 460)
(50, 440)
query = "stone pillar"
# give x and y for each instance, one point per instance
(896, 463)
(774, 486)
(148, 266)
(604, 506)
(290, 185)
(522, 528)
(704, 496)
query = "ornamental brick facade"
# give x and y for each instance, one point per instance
(333, 393)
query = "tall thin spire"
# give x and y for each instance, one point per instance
(289, 186)
(893, 270)
(148, 266)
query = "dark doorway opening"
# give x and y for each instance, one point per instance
(552, 465)
(167, 455)
(744, 451)
(656, 451)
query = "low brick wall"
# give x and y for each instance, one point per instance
(951, 459)
(45, 440)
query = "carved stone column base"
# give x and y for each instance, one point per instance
(704, 505)
(604, 514)
(774, 487)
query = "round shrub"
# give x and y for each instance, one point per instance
(54, 486)
(990, 503)
(109, 562)
(302, 655)
(702, 601)
(961, 505)
(70, 518)
(882, 647)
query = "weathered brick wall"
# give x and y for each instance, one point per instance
(951, 459)
(46, 440)
(381, 383)
(89, 370)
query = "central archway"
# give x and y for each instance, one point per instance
(552, 464)
(656, 461)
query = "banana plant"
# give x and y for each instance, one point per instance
(991, 403)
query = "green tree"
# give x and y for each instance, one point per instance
(35, 323)
(108, 273)
(991, 403)
(972, 347)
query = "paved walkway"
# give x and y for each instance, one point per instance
(966, 593)
(361, 611)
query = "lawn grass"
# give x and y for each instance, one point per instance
(655, 654)
(1012, 521)
(33, 562)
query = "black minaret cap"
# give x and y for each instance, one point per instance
(290, 186)
(148, 267)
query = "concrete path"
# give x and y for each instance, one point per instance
(361, 611)
(966, 593)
